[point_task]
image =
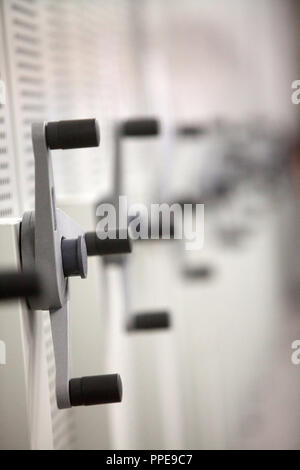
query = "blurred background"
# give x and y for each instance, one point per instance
(218, 75)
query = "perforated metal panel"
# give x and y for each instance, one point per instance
(65, 61)
(83, 48)
(73, 83)
(25, 70)
(8, 190)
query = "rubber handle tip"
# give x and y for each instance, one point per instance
(96, 390)
(18, 284)
(150, 321)
(140, 127)
(190, 130)
(120, 244)
(204, 272)
(73, 134)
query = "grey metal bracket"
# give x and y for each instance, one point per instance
(54, 246)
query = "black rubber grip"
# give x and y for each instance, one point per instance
(140, 127)
(14, 285)
(190, 130)
(204, 272)
(74, 134)
(96, 390)
(110, 246)
(151, 321)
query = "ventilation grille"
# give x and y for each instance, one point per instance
(65, 62)
(80, 80)
(6, 190)
(26, 75)
(86, 78)
(8, 193)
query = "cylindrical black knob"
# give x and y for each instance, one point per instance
(150, 321)
(190, 130)
(109, 246)
(140, 127)
(96, 390)
(14, 285)
(204, 272)
(74, 134)
(74, 257)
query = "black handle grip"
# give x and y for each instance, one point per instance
(14, 285)
(96, 390)
(191, 130)
(204, 272)
(150, 321)
(140, 127)
(109, 246)
(73, 134)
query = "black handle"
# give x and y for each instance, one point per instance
(14, 285)
(73, 134)
(96, 390)
(204, 272)
(140, 127)
(191, 130)
(150, 321)
(110, 246)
